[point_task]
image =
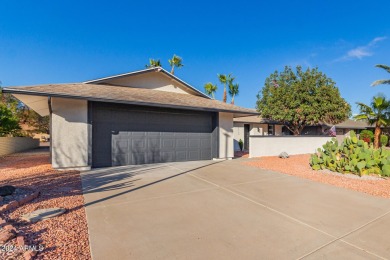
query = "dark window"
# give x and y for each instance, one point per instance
(271, 129)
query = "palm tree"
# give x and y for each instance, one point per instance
(233, 91)
(382, 81)
(210, 89)
(175, 62)
(225, 80)
(153, 63)
(378, 114)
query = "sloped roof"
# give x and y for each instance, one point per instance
(137, 96)
(149, 70)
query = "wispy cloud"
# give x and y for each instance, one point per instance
(361, 51)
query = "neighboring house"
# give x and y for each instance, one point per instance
(147, 116)
(257, 126)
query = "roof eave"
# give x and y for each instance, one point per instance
(36, 93)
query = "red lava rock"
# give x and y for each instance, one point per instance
(9, 227)
(20, 240)
(28, 255)
(6, 235)
(298, 165)
(13, 205)
(63, 237)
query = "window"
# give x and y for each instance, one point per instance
(271, 129)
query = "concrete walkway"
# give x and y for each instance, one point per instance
(224, 210)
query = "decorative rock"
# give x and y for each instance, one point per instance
(43, 214)
(283, 155)
(28, 255)
(6, 190)
(29, 198)
(6, 235)
(20, 241)
(9, 228)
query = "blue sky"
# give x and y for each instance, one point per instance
(72, 41)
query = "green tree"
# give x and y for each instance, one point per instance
(153, 63)
(382, 81)
(300, 98)
(210, 89)
(377, 114)
(176, 61)
(9, 123)
(233, 91)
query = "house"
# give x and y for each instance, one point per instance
(146, 116)
(254, 125)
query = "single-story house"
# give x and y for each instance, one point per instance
(256, 126)
(146, 116)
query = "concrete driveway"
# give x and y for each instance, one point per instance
(224, 210)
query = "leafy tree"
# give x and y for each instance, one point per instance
(9, 123)
(176, 61)
(377, 114)
(300, 98)
(382, 81)
(153, 63)
(210, 89)
(233, 91)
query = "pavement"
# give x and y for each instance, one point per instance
(225, 210)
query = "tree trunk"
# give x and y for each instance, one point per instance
(173, 70)
(224, 94)
(377, 135)
(232, 100)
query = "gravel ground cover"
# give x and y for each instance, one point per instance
(298, 165)
(63, 237)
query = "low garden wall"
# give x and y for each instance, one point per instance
(10, 145)
(274, 145)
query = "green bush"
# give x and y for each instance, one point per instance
(241, 144)
(352, 156)
(384, 140)
(367, 136)
(9, 123)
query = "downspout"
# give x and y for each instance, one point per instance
(50, 127)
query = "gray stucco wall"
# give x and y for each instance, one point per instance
(69, 133)
(226, 136)
(274, 145)
(9, 145)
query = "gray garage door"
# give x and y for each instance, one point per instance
(127, 135)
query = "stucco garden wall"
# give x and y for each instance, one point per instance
(274, 145)
(69, 133)
(9, 145)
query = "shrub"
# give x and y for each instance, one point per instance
(367, 136)
(352, 156)
(384, 140)
(241, 144)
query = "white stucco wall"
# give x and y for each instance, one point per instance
(273, 146)
(69, 133)
(226, 136)
(155, 80)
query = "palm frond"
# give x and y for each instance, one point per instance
(381, 82)
(382, 66)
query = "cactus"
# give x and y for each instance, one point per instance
(352, 156)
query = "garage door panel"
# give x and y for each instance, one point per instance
(124, 134)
